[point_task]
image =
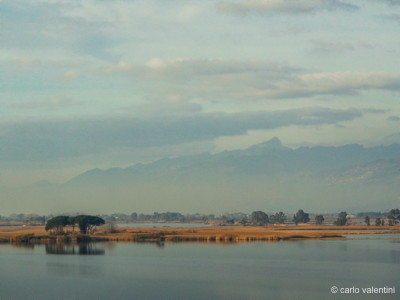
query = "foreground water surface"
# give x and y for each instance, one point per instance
(305, 269)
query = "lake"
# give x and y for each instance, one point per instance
(304, 269)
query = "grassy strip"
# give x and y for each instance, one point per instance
(199, 234)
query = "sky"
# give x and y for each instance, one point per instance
(87, 84)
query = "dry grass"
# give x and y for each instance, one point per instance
(206, 234)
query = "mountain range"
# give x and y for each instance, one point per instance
(267, 176)
(268, 160)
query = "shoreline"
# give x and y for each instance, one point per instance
(37, 234)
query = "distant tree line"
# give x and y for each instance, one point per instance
(393, 217)
(371, 214)
(156, 217)
(260, 218)
(33, 219)
(256, 218)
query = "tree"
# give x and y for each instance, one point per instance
(342, 219)
(110, 227)
(72, 223)
(230, 221)
(58, 223)
(87, 223)
(367, 220)
(301, 217)
(278, 218)
(134, 216)
(259, 218)
(394, 216)
(244, 221)
(319, 219)
(378, 222)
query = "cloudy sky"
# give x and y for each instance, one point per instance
(106, 83)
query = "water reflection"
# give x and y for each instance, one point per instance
(23, 245)
(75, 249)
(160, 244)
(281, 270)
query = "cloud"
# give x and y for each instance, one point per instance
(36, 63)
(390, 2)
(391, 17)
(52, 140)
(326, 47)
(337, 83)
(393, 138)
(70, 75)
(218, 79)
(171, 108)
(46, 29)
(394, 118)
(282, 6)
(189, 12)
(375, 110)
(182, 67)
(54, 102)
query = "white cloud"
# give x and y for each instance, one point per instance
(118, 68)
(70, 74)
(336, 83)
(184, 68)
(187, 13)
(325, 47)
(223, 79)
(390, 2)
(49, 103)
(52, 140)
(112, 12)
(34, 62)
(282, 6)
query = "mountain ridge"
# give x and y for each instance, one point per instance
(268, 158)
(267, 176)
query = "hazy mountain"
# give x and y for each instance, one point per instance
(269, 159)
(266, 176)
(383, 171)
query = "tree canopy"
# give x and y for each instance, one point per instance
(259, 218)
(319, 219)
(278, 218)
(57, 224)
(342, 219)
(301, 217)
(394, 216)
(86, 223)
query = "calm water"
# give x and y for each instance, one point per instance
(268, 270)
